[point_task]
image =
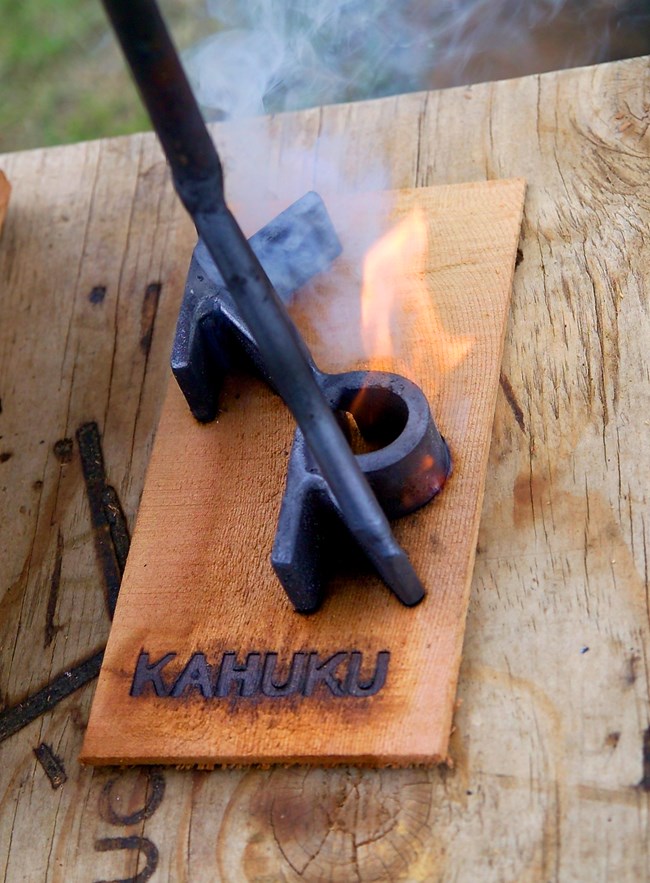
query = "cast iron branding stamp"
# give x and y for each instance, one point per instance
(260, 674)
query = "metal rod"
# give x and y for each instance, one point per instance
(198, 178)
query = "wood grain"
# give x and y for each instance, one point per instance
(5, 192)
(551, 746)
(198, 578)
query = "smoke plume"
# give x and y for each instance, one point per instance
(275, 55)
(279, 55)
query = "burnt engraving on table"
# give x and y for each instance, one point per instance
(111, 813)
(341, 674)
(112, 544)
(142, 845)
(52, 764)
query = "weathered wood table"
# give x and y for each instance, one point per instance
(552, 740)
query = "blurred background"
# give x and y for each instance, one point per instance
(62, 78)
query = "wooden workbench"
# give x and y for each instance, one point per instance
(552, 740)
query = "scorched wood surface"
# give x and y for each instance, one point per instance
(207, 661)
(552, 740)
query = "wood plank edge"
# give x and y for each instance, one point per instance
(5, 193)
(228, 762)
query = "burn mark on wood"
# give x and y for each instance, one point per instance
(55, 581)
(324, 672)
(644, 784)
(18, 716)
(112, 545)
(338, 674)
(63, 450)
(6, 455)
(511, 398)
(355, 685)
(154, 793)
(147, 672)
(92, 464)
(117, 525)
(631, 673)
(244, 679)
(141, 844)
(52, 764)
(97, 294)
(197, 675)
(148, 317)
(276, 686)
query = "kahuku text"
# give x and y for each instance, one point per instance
(260, 674)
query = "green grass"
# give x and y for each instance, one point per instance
(62, 78)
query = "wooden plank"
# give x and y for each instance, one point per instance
(550, 745)
(198, 582)
(5, 192)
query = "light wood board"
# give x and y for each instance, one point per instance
(551, 746)
(198, 582)
(5, 191)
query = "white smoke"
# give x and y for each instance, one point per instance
(275, 55)
(261, 179)
(279, 55)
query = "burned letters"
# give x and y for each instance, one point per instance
(260, 674)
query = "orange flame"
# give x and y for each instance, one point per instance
(402, 310)
(399, 316)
